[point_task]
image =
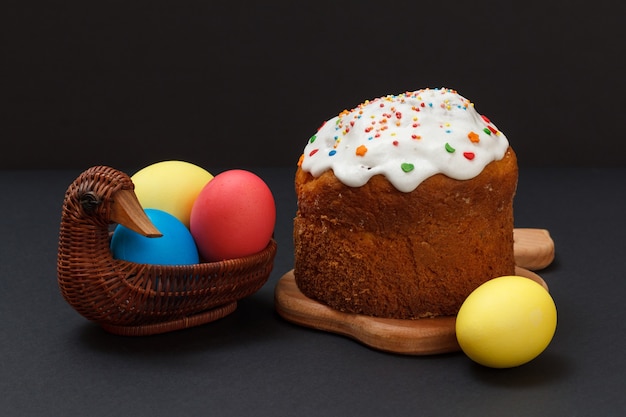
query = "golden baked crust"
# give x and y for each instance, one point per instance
(377, 251)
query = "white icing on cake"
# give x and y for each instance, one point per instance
(407, 138)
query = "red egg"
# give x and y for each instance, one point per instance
(233, 216)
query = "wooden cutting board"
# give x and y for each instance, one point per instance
(410, 337)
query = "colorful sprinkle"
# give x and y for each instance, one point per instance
(449, 148)
(312, 139)
(361, 150)
(331, 153)
(469, 155)
(313, 152)
(473, 136)
(406, 167)
(487, 131)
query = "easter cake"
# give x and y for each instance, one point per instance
(405, 206)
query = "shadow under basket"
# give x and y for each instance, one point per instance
(134, 299)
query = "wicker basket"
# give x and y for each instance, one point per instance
(140, 299)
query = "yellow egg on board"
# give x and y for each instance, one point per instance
(506, 322)
(171, 186)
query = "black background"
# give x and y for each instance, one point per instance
(242, 83)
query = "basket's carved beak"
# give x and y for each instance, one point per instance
(127, 211)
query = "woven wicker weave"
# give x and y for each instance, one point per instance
(140, 299)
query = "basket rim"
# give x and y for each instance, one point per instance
(224, 265)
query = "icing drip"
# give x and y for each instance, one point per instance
(407, 138)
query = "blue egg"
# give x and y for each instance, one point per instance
(175, 247)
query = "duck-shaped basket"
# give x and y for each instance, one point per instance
(140, 299)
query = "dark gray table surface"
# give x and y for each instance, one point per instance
(53, 362)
